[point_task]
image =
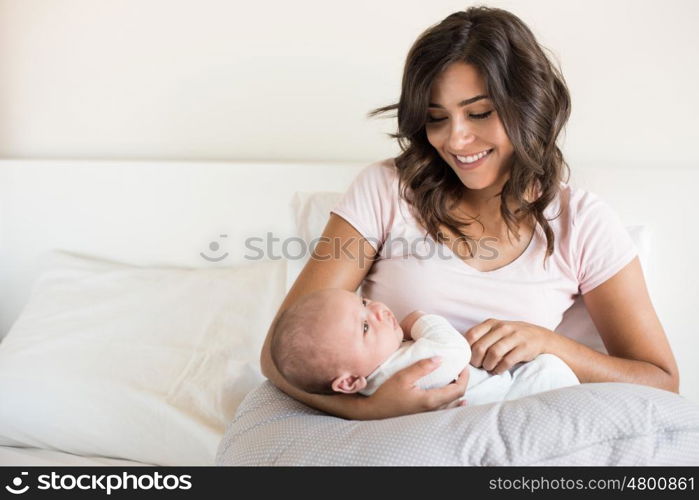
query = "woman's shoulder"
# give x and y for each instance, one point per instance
(380, 173)
(572, 203)
(378, 182)
(593, 237)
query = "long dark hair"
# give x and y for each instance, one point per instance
(529, 95)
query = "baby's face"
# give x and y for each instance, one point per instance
(366, 332)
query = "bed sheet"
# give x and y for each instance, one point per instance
(39, 457)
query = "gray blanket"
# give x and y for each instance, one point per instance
(589, 424)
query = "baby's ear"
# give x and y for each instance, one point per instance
(348, 383)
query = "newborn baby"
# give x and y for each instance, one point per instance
(333, 341)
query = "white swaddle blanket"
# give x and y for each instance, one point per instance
(433, 335)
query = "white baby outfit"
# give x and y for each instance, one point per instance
(433, 335)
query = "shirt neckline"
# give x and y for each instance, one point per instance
(510, 264)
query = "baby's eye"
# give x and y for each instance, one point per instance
(364, 301)
(366, 326)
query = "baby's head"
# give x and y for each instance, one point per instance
(330, 340)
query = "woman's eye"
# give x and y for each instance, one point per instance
(481, 116)
(475, 116)
(434, 120)
(366, 326)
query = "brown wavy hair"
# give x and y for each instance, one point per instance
(530, 97)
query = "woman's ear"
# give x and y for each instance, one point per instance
(348, 383)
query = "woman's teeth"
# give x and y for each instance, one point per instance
(471, 159)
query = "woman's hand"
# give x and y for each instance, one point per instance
(498, 345)
(400, 396)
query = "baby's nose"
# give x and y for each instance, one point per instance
(381, 314)
(376, 311)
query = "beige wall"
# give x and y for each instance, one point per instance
(234, 80)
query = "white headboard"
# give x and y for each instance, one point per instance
(154, 213)
(168, 213)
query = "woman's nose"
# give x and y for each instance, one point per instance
(460, 136)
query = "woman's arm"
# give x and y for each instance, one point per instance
(621, 310)
(342, 259)
(638, 348)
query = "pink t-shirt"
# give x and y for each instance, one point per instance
(414, 272)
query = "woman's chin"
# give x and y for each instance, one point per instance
(476, 184)
(476, 181)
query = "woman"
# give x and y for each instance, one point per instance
(480, 110)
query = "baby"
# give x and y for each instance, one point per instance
(333, 341)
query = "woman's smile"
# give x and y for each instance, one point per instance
(471, 162)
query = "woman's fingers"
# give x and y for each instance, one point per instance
(458, 403)
(505, 343)
(444, 396)
(475, 333)
(519, 353)
(417, 370)
(434, 398)
(462, 380)
(480, 347)
(399, 395)
(497, 352)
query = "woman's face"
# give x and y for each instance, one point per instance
(462, 125)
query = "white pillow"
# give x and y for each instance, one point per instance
(312, 210)
(144, 364)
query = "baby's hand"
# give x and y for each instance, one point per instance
(408, 322)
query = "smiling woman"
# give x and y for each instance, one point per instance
(480, 111)
(480, 96)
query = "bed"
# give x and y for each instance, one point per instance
(135, 296)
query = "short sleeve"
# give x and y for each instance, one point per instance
(601, 244)
(369, 204)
